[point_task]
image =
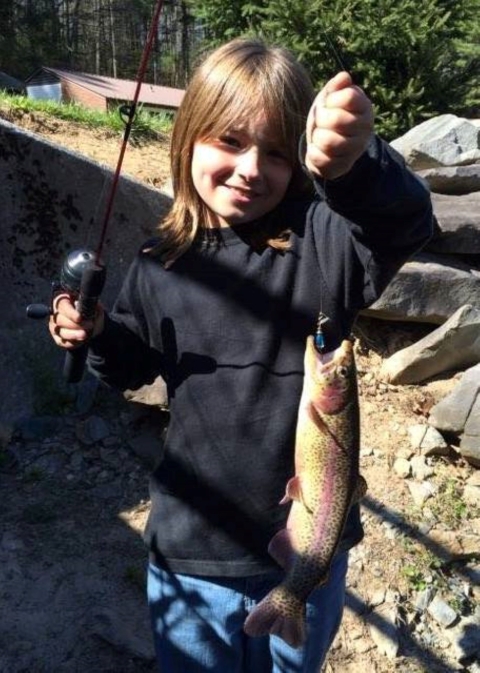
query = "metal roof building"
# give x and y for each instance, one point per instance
(97, 91)
(11, 84)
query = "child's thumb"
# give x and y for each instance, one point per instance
(341, 80)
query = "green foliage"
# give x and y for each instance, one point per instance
(422, 568)
(106, 37)
(220, 20)
(410, 57)
(415, 60)
(29, 35)
(415, 577)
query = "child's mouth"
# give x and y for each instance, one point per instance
(242, 194)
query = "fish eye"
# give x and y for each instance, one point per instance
(343, 372)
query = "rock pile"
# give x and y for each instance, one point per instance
(441, 612)
(430, 539)
(445, 152)
(441, 285)
(453, 346)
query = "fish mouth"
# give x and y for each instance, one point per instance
(332, 371)
(343, 355)
(330, 376)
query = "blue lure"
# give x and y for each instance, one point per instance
(319, 337)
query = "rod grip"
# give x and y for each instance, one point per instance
(93, 279)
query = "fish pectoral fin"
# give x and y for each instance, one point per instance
(315, 416)
(281, 549)
(293, 491)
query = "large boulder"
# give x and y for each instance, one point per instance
(429, 288)
(455, 345)
(445, 153)
(452, 179)
(459, 414)
(458, 220)
(446, 140)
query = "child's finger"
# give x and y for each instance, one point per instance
(341, 121)
(60, 321)
(63, 305)
(339, 125)
(67, 337)
(351, 99)
(338, 94)
(340, 81)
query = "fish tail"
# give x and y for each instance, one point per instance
(281, 614)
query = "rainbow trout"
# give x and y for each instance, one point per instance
(325, 485)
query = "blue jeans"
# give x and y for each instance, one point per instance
(198, 623)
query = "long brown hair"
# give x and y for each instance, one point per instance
(231, 86)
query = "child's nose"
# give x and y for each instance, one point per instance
(249, 163)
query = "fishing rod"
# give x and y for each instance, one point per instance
(338, 57)
(83, 272)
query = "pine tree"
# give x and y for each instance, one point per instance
(405, 54)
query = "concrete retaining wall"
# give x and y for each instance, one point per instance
(52, 202)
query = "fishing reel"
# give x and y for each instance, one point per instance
(83, 276)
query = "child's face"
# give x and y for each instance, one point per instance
(241, 175)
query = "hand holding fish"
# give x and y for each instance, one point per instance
(339, 126)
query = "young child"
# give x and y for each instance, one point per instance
(256, 244)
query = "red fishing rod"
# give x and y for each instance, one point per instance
(83, 272)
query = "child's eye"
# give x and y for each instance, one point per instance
(278, 154)
(229, 140)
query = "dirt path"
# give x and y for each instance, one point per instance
(74, 500)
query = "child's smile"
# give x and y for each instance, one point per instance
(241, 175)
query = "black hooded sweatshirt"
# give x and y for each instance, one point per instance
(226, 326)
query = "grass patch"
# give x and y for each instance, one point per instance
(448, 505)
(422, 568)
(146, 125)
(415, 577)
